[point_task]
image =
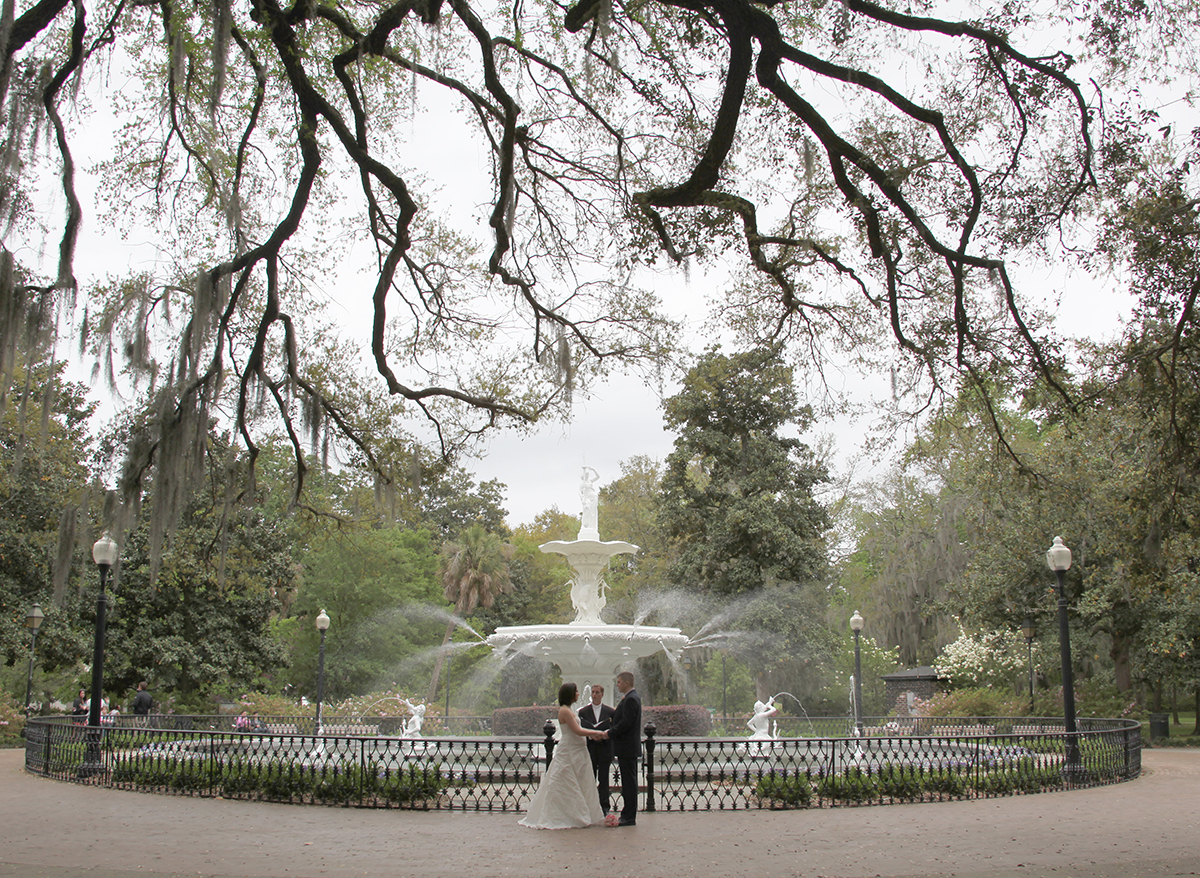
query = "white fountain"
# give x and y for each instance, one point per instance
(588, 650)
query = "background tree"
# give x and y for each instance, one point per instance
(629, 511)
(199, 628)
(739, 513)
(373, 582)
(908, 544)
(474, 571)
(44, 480)
(738, 506)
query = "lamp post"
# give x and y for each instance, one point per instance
(1028, 630)
(856, 625)
(33, 621)
(104, 553)
(322, 626)
(724, 688)
(1058, 559)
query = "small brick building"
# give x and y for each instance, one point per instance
(904, 688)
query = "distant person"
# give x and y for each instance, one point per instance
(626, 735)
(567, 797)
(598, 715)
(79, 707)
(143, 701)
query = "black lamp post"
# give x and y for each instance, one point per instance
(1028, 630)
(104, 553)
(322, 626)
(856, 625)
(33, 621)
(1058, 558)
(724, 687)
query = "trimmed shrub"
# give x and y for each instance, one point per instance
(413, 783)
(900, 782)
(678, 720)
(521, 721)
(855, 785)
(794, 789)
(946, 783)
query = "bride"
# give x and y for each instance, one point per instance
(567, 796)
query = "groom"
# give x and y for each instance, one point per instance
(598, 715)
(626, 735)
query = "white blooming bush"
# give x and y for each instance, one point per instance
(990, 658)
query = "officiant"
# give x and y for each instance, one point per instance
(598, 715)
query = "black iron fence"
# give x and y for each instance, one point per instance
(282, 760)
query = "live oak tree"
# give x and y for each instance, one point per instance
(262, 143)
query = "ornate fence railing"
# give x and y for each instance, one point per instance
(893, 761)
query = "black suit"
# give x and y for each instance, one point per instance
(600, 751)
(626, 735)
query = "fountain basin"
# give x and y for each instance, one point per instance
(587, 653)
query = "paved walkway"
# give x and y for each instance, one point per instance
(1148, 828)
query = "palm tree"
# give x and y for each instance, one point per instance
(474, 571)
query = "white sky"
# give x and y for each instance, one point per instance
(624, 419)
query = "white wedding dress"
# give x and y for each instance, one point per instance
(567, 797)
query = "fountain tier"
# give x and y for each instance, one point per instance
(587, 653)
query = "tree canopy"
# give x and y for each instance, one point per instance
(871, 167)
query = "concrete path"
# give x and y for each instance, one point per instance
(1144, 829)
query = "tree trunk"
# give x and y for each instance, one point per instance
(1122, 662)
(437, 665)
(1196, 708)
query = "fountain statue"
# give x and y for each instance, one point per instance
(760, 723)
(588, 649)
(412, 726)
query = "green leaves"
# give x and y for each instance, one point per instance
(738, 506)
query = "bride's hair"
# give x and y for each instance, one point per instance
(567, 693)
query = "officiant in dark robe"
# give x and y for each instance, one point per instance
(598, 715)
